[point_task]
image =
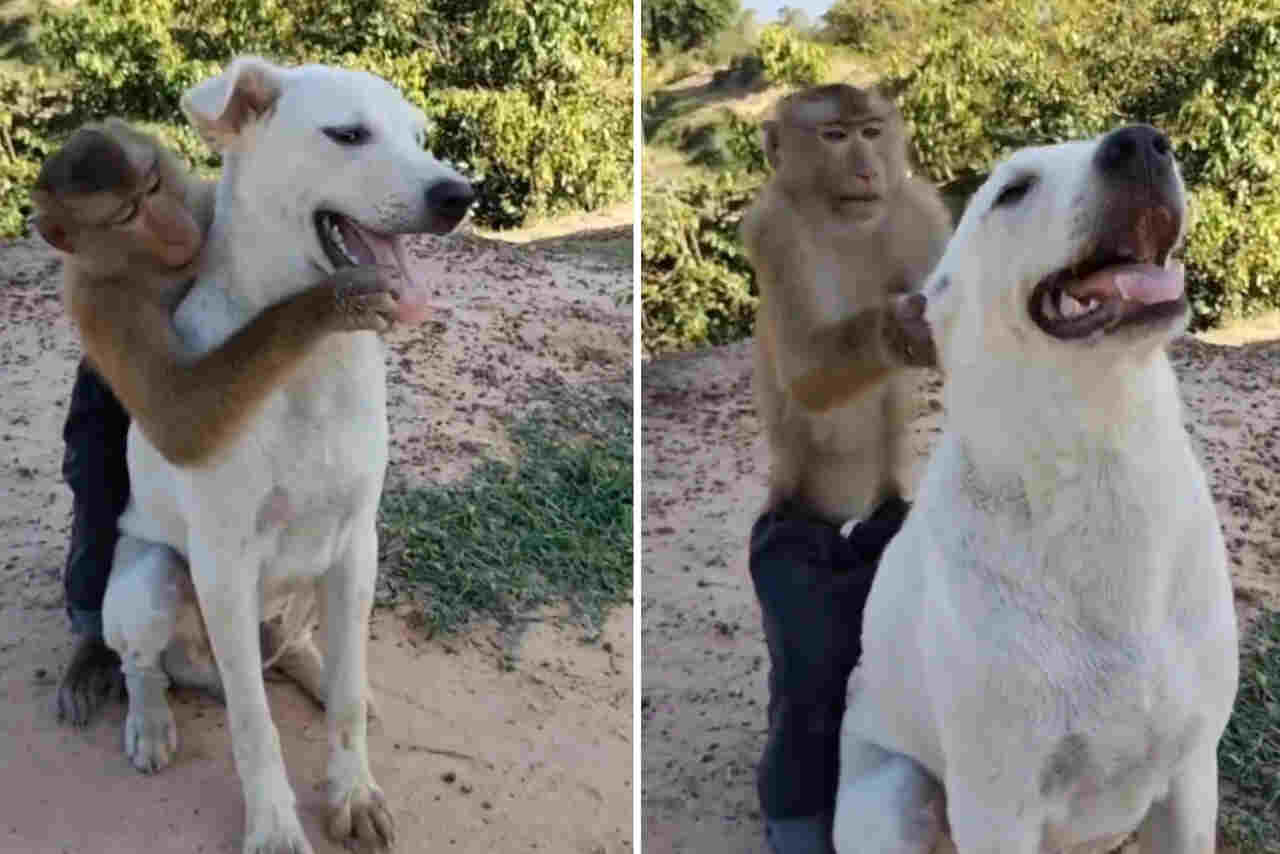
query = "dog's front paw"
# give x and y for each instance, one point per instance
(276, 831)
(150, 737)
(363, 814)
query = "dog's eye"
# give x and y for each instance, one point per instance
(1013, 192)
(354, 135)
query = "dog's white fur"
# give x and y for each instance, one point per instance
(1050, 640)
(281, 525)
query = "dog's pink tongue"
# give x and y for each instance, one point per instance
(393, 251)
(413, 299)
(1141, 283)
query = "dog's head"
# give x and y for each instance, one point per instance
(1063, 255)
(335, 159)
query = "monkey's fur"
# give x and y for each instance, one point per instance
(132, 223)
(838, 237)
(123, 275)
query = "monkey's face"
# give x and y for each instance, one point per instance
(121, 204)
(338, 156)
(1067, 246)
(847, 154)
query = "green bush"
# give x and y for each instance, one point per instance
(696, 286)
(789, 58)
(532, 159)
(1212, 83)
(537, 95)
(684, 24)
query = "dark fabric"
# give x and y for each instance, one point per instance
(810, 835)
(93, 464)
(812, 585)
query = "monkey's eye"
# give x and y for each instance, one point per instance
(834, 134)
(127, 215)
(1014, 191)
(353, 135)
(871, 131)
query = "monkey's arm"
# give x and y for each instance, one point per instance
(822, 364)
(188, 406)
(863, 349)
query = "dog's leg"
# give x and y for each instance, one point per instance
(148, 585)
(886, 803)
(229, 598)
(357, 807)
(990, 821)
(1185, 821)
(303, 663)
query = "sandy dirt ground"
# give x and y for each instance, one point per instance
(472, 757)
(703, 472)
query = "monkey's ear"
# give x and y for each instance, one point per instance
(219, 108)
(54, 232)
(772, 143)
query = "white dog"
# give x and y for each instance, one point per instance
(322, 167)
(1050, 639)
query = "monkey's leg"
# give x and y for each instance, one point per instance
(811, 599)
(93, 465)
(147, 590)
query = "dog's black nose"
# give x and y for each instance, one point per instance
(1138, 153)
(450, 199)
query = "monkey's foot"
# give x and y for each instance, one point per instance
(150, 732)
(362, 814)
(92, 678)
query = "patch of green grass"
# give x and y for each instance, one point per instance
(553, 527)
(1249, 753)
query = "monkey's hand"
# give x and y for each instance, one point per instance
(355, 299)
(906, 334)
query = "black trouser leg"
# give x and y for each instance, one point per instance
(812, 585)
(94, 467)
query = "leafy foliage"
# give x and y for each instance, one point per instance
(789, 58)
(684, 24)
(696, 287)
(531, 158)
(1211, 82)
(535, 94)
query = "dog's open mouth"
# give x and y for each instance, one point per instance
(1124, 281)
(348, 244)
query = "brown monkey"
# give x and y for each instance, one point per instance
(840, 238)
(132, 222)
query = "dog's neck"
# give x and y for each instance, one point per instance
(1029, 430)
(254, 261)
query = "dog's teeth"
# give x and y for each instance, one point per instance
(1070, 306)
(1047, 306)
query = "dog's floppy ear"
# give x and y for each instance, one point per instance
(219, 108)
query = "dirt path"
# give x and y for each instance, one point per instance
(703, 469)
(473, 757)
